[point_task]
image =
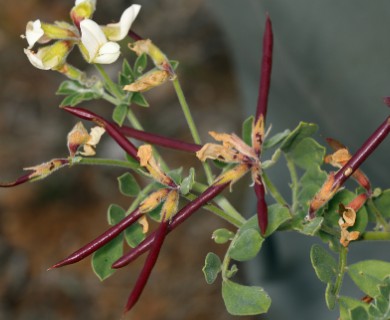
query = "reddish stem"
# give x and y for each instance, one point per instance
(262, 210)
(266, 67)
(100, 241)
(111, 129)
(160, 140)
(179, 218)
(148, 266)
(261, 111)
(362, 154)
(23, 179)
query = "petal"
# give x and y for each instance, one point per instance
(35, 60)
(34, 32)
(93, 2)
(108, 53)
(92, 37)
(117, 31)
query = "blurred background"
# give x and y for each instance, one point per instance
(331, 67)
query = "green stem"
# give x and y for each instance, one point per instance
(376, 235)
(272, 190)
(110, 84)
(330, 230)
(191, 125)
(110, 99)
(105, 162)
(380, 219)
(342, 268)
(294, 183)
(236, 221)
(222, 202)
(134, 121)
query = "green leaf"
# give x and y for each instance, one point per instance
(222, 236)
(382, 203)
(246, 245)
(126, 70)
(139, 99)
(276, 139)
(176, 175)
(212, 267)
(369, 274)
(307, 153)
(134, 235)
(324, 264)
(76, 92)
(380, 308)
(231, 272)
(128, 186)
(310, 183)
(174, 64)
(115, 214)
(119, 114)
(347, 305)
(155, 214)
(247, 130)
(302, 131)
(330, 296)
(244, 300)
(311, 227)
(359, 313)
(188, 182)
(140, 64)
(277, 215)
(104, 257)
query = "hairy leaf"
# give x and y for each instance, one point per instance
(244, 300)
(212, 267)
(324, 264)
(128, 186)
(246, 245)
(368, 275)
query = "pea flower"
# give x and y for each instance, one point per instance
(97, 43)
(94, 44)
(78, 138)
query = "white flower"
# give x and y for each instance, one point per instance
(117, 31)
(49, 57)
(99, 50)
(34, 32)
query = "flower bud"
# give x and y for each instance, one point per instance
(83, 9)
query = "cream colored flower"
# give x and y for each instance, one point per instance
(98, 48)
(118, 31)
(34, 32)
(49, 57)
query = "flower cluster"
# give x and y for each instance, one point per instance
(97, 44)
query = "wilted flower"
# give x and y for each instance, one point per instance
(347, 219)
(79, 137)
